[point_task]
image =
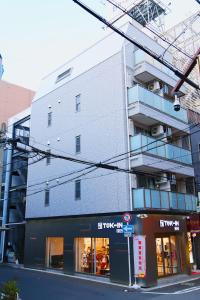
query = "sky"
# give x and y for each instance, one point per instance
(37, 36)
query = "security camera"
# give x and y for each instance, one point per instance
(177, 105)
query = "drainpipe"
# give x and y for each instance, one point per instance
(129, 165)
(6, 199)
(127, 129)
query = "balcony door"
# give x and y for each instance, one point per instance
(167, 255)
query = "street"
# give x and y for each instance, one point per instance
(42, 286)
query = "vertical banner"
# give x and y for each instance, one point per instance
(139, 252)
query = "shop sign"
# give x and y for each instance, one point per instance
(111, 225)
(169, 223)
(139, 250)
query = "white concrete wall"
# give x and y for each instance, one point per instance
(102, 126)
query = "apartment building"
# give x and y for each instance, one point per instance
(110, 104)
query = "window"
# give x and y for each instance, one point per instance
(48, 157)
(92, 255)
(55, 252)
(77, 189)
(46, 200)
(49, 122)
(78, 144)
(64, 75)
(78, 103)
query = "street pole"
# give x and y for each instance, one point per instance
(129, 261)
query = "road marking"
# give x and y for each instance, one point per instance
(185, 291)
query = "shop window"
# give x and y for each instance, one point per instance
(55, 252)
(92, 255)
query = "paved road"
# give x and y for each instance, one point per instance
(43, 286)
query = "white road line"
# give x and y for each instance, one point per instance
(158, 293)
(185, 291)
(195, 288)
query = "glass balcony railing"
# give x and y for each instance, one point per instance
(142, 143)
(141, 56)
(156, 199)
(138, 93)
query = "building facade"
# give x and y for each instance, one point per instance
(14, 182)
(13, 100)
(111, 103)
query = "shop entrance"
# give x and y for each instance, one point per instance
(167, 258)
(55, 252)
(92, 255)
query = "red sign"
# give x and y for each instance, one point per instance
(139, 250)
(126, 217)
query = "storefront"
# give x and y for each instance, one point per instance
(96, 245)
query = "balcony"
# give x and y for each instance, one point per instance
(156, 199)
(147, 69)
(152, 100)
(148, 145)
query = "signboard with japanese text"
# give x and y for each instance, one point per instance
(139, 252)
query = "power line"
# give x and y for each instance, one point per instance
(146, 50)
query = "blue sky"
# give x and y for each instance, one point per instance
(38, 36)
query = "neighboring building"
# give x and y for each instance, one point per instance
(1, 67)
(111, 99)
(14, 181)
(13, 100)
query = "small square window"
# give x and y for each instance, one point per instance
(48, 157)
(78, 144)
(46, 199)
(49, 121)
(77, 189)
(78, 102)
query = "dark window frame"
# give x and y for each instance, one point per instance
(77, 189)
(47, 197)
(78, 144)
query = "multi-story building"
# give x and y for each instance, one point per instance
(13, 100)
(110, 103)
(14, 181)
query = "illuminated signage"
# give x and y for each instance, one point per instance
(169, 223)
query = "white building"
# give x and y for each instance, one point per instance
(110, 100)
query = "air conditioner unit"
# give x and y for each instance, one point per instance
(161, 179)
(156, 85)
(157, 130)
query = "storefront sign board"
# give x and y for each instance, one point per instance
(170, 223)
(139, 250)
